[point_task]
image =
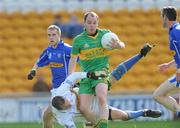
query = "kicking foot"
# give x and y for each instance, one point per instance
(147, 48)
(152, 113)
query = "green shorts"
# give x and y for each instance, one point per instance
(87, 85)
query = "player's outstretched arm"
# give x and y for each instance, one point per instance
(125, 66)
(73, 77)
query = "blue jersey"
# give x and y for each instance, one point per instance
(57, 59)
(174, 42)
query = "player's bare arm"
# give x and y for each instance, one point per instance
(165, 66)
(72, 64)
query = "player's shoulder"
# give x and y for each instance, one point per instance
(48, 48)
(67, 45)
(103, 30)
(177, 28)
(79, 36)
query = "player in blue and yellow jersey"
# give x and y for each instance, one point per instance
(56, 56)
(93, 57)
(172, 85)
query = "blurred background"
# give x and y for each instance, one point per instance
(23, 36)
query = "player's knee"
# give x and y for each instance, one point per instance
(83, 109)
(156, 96)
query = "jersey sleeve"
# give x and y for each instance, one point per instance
(75, 47)
(43, 59)
(72, 78)
(175, 45)
(105, 31)
(68, 49)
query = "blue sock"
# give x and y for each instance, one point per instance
(122, 68)
(178, 114)
(134, 114)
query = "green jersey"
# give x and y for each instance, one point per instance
(89, 49)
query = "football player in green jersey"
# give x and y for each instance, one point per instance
(93, 57)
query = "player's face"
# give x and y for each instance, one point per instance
(91, 24)
(164, 21)
(66, 105)
(53, 36)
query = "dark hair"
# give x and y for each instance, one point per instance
(90, 13)
(57, 102)
(170, 12)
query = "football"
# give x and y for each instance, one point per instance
(106, 40)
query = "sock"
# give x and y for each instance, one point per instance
(134, 114)
(122, 68)
(102, 123)
(178, 114)
(104, 112)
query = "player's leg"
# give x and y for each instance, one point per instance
(48, 118)
(101, 94)
(162, 95)
(125, 66)
(117, 114)
(85, 107)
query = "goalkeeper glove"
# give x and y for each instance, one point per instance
(31, 74)
(146, 49)
(95, 75)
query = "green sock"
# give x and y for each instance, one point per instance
(102, 124)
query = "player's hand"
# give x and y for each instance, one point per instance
(116, 44)
(95, 75)
(163, 67)
(146, 49)
(31, 74)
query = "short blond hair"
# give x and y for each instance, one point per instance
(55, 27)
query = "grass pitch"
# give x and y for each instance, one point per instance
(126, 124)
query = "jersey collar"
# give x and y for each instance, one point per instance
(59, 45)
(173, 26)
(93, 37)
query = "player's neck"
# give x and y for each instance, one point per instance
(55, 45)
(93, 34)
(171, 23)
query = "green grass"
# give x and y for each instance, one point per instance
(127, 124)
